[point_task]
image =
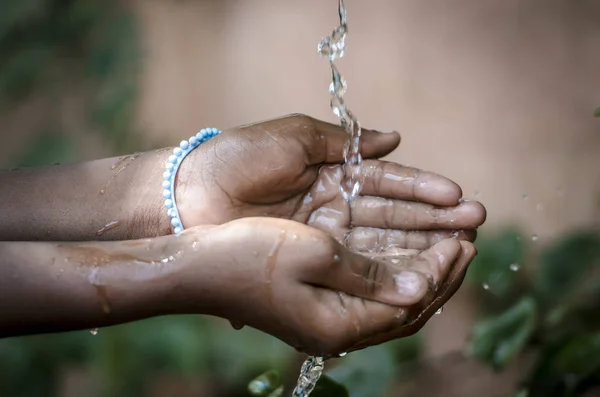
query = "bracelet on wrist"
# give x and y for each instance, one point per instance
(171, 168)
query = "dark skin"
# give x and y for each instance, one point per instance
(266, 223)
(285, 278)
(289, 168)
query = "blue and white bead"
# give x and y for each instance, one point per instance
(171, 167)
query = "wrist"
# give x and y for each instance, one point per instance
(192, 195)
(198, 259)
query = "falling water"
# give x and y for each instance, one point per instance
(333, 47)
(309, 375)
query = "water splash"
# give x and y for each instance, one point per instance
(333, 47)
(94, 331)
(310, 373)
(514, 267)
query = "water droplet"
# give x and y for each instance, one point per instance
(534, 238)
(338, 86)
(236, 325)
(102, 191)
(399, 313)
(342, 354)
(94, 331)
(525, 197)
(195, 245)
(514, 267)
(486, 286)
(336, 257)
(440, 310)
(109, 226)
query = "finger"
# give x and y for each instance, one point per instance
(347, 320)
(446, 291)
(387, 213)
(391, 180)
(367, 239)
(363, 277)
(435, 262)
(327, 143)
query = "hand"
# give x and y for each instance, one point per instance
(300, 285)
(290, 168)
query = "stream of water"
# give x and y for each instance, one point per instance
(333, 47)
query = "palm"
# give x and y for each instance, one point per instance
(289, 171)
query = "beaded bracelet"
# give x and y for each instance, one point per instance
(172, 165)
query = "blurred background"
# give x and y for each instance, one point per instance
(498, 95)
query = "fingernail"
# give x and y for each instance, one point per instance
(407, 283)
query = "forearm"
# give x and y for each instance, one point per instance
(46, 287)
(108, 199)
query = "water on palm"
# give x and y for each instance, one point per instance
(333, 47)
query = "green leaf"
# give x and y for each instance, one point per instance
(566, 264)
(48, 148)
(265, 384)
(492, 267)
(367, 372)
(581, 356)
(327, 387)
(499, 339)
(597, 112)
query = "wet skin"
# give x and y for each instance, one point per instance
(285, 278)
(283, 168)
(277, 262)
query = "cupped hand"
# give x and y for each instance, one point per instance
(290, 168)
(300, 285)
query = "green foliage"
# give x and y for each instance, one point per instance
(597, 112)
(492, 267)
(267, 384)
(566, 265)
(499, 339)
(327, 387)
(51, 147)
(50, 46)
(556, 314)
(367, 380)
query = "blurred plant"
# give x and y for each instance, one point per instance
(597, 112)
(87, 49)
(365, 373)
(546, 303)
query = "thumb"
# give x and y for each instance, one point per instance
(329, 148)
(399, 284)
